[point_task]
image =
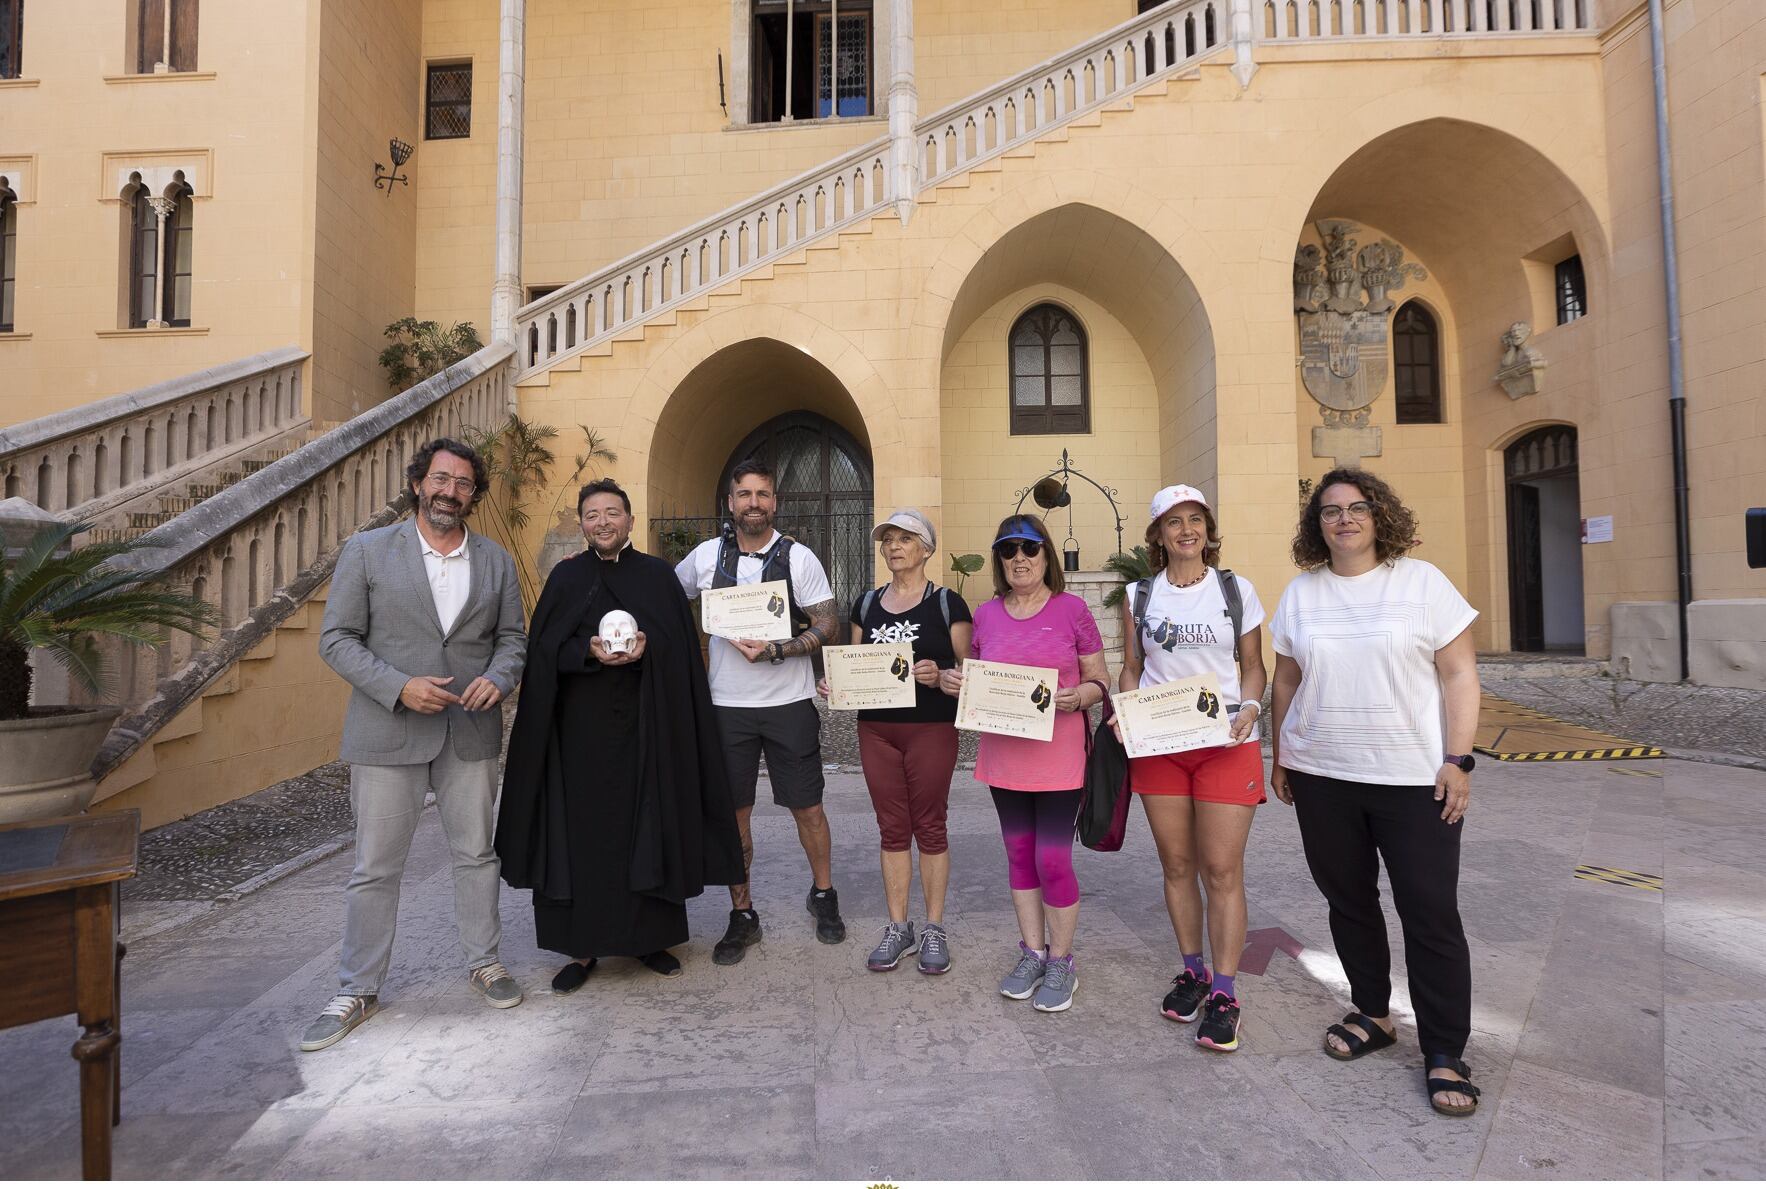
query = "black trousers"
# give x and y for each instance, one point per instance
(1347, 827)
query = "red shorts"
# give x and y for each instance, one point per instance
(1229, 775)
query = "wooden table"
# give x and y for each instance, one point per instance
(59, 951)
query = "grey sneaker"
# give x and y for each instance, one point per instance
(1058, 984)
(500, 990)
(337, 1021)
(1026, 976)
(934, 950)
(896, 943)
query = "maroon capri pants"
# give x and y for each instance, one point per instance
(908, 768)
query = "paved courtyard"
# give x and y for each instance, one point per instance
(1618, 1029)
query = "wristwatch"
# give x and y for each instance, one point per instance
(775, 654)
(1464, 763)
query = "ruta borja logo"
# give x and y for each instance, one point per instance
(1208, 704)
(1041, 698)
(898, 668)
(774, 605)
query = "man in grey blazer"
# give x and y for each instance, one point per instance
(424, 620)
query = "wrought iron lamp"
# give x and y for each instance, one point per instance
(1051, 492)
(401, 153)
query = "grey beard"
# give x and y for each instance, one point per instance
(440, 518)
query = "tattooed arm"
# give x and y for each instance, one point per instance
(822, 625)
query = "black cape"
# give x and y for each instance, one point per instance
(684, 834)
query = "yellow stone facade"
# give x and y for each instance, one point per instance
(1167, 224)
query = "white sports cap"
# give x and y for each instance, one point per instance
(909, 520)
(1170, 497)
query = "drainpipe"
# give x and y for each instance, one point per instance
(511, 72)
(1676, 359)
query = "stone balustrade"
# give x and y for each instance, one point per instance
(1319, 20)
(257, 549)
(87, 460)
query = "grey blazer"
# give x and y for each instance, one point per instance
(381, 630)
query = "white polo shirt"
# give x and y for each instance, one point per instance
(735, 680)
(450, 579)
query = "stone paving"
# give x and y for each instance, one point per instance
(1685, 719)
(1617, 1030)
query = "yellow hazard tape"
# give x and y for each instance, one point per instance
(1592, 753)
(1614, 875)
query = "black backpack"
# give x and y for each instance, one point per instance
(775, 566)
(1235, 610)
(871, 596)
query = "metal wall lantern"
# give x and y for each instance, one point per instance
(401, 153)
(1052, 491)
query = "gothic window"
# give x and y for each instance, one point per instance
(143, 255)
(180, 242)
(811, 59)
(1416, 365)
(447, 113)
(1572, 290)
(8, 255)
(12, 20)
(1051, 389)
(165, 35)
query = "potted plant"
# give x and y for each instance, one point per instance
(62, 600)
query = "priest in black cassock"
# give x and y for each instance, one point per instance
(616, 802)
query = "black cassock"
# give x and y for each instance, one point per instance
(616, 805)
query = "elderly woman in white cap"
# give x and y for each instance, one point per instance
(1190, 618)
(909, 754)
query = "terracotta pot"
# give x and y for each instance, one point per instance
(46, 760)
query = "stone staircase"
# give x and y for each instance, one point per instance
(176, 497)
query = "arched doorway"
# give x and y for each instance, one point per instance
(1544, 541)
(824, 486)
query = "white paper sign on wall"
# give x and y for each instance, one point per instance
(1596, 529)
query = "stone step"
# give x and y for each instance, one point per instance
(1513, 666)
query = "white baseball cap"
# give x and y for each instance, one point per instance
(909, 520)
(1170, 497)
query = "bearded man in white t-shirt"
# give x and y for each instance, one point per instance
(763, 692)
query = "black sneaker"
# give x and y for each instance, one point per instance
(825, 908)
(743, 932)
(1219, 1028)
(1184, 1001)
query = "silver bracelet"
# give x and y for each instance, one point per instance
(1252, 702)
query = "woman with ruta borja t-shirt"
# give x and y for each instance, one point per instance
(1199, 803)
(909, 754)
(1036, 784)
(1375, 707)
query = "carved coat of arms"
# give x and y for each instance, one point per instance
(1344, 352)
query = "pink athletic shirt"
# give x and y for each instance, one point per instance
(1054, 638)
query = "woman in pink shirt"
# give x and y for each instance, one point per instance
(1036, 785)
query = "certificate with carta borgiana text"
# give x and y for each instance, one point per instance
(1014, 700)
(757, 611)
(1176, 716)
(871, 676)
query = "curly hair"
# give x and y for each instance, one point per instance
(1156, 542)
(1394, 524)
(1022, 523)
(418, 470)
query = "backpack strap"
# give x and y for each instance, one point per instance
(723, 574)
(944, 605)
(1143, 594)
(776, 568)
(1235, 606)
(865, 604)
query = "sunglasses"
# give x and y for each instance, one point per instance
(1007, 550)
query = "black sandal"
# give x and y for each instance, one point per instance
(1447, 1086)
(1377, 1037)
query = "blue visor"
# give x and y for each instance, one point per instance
(1019, 530)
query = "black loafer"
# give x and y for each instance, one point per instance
(662, 962)
(574, 975)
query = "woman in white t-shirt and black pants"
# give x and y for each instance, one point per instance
(1199, 803)
(1375, 705)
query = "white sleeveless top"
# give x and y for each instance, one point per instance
(1188, 632)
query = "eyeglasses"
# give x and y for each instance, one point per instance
(1359, 510)
(1007, 550)
(440, 482)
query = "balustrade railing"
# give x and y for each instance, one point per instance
(79, 461)
(1320, 20)
(257, 549)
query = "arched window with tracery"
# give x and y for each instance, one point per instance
(1051, 387)
(8, 254)
(1416, 365)
(143, 254)
(180, 245)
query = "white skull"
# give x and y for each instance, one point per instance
(619, 631)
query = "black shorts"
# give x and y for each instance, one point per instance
(791, 736)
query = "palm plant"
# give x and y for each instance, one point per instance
(62, 602)
(1130, 567)
(518, 455)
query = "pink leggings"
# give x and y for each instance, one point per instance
(1038, 833)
